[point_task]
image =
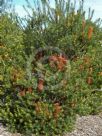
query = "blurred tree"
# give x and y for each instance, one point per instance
(4, 5)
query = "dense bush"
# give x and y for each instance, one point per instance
(43, 88)
(87, 77)
(11, 49)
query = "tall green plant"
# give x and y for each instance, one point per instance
(61, 26)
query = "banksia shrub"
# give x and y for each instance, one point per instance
(90, 32)
(51, 70)
(40, 84)
(39, 106)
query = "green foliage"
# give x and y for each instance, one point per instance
(11, 51)
(61, 26)
(86, 77)
(41, 91)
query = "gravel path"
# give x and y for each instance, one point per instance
(85, 126)
(88, 126)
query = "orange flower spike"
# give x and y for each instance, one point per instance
(90, 32)
(60, 66)
(22, 93)
(57, 107)
(40, 85)
(30, 90)
(53, 58)
(57, 110)
(65, 61)
(62, 59)
(81, 67)
(86, 60)
(41, 81)
(83, 24)
(89, 80)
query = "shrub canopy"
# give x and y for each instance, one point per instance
(50, 70)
